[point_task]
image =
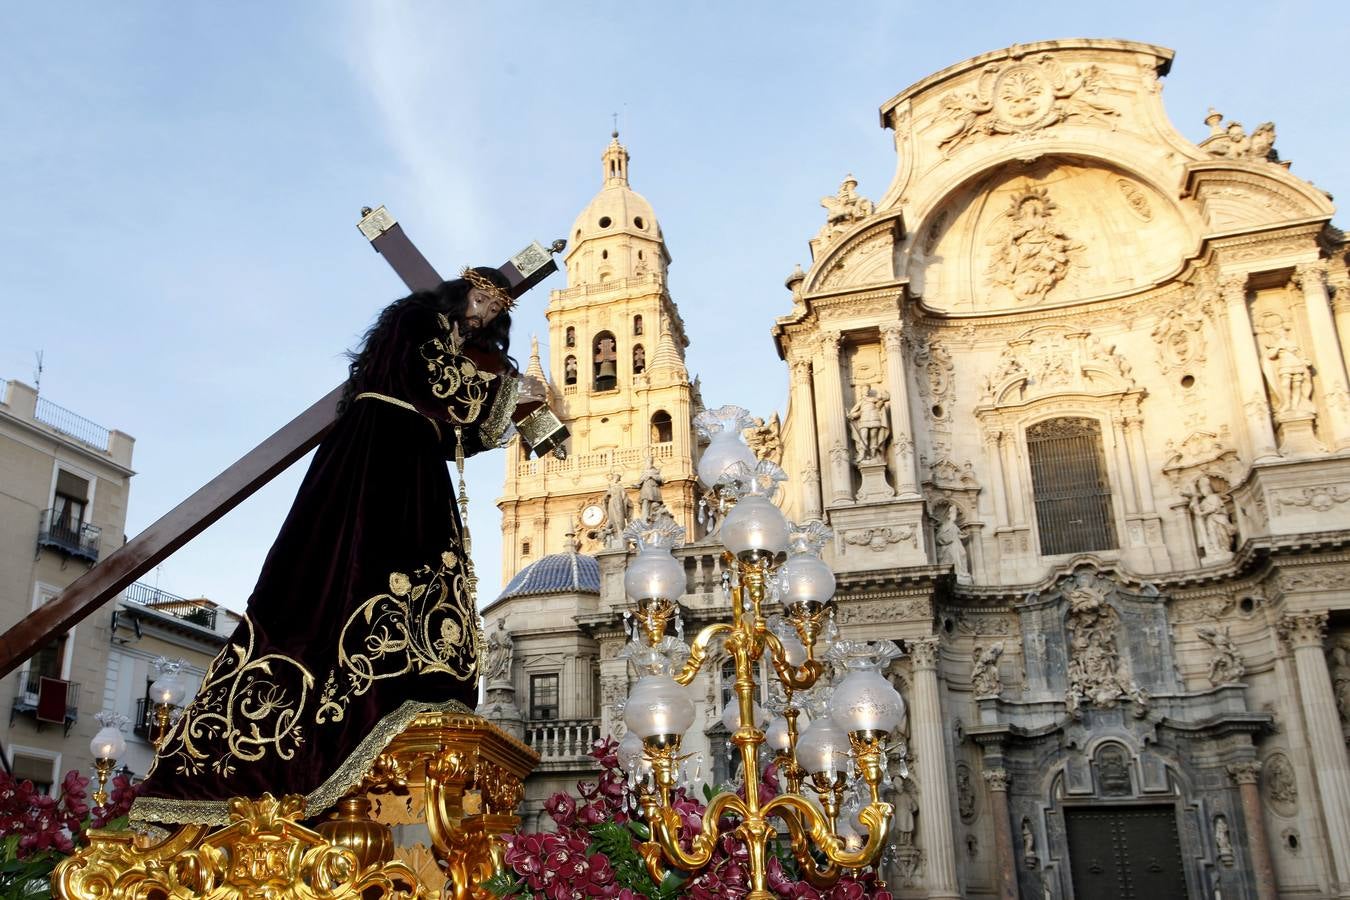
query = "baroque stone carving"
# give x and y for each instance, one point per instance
(1032, 252)
(1319, 499)
(1225, 665)
(1212, 521)
(1055, 359)
(984, 676)
(1019, 97)
(1303, 629)
(1113, 771)
(1181, 341)
(1135, 198)
(843, 209)
(949, 538)
(1201, 453)
(1231, 141)
(649, 489)
(1281, 785)
(1223, 840)
(1287, 371)
(1339, 663)
(876, 539)
(765, 438)
(1096, 674)
(924, 653)
(936, 369)
(497, 662)
(870, 425)
(965, 793)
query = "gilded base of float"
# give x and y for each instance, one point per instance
(455, 775)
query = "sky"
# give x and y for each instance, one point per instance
(183, 181)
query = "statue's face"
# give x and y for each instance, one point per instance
(481, 308)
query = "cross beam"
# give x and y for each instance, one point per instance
(249, 473)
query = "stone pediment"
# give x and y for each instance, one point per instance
(862, 259)
(1055, 360)
(1238, 195)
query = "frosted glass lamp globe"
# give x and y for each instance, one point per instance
(755, 527)
(654, 574)
(866, 703)
(108, 743)
(823, 748)
(658, 709)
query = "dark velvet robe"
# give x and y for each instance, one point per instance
(361, 618)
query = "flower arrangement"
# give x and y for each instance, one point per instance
(593, 852)
(38, 830)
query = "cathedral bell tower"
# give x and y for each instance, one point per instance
(617, 379)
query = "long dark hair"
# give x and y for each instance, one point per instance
(372, 366)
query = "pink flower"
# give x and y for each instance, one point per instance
(592, 814)
(561, 808)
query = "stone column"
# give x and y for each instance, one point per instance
(803, 437)
(830, 419)
(1143, 480)
(1247, 775)
(1012, 471)
(902, 432)
(935, 805)
(997, 780)
(1124, 469)
(1304, 632)
(1251, 386)
(1340, 283)
(992, 438)
(1326, 352)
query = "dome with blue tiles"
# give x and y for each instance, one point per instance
(557, 573)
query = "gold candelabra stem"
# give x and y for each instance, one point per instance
(745, 639)
(162, 711)
(103, 767)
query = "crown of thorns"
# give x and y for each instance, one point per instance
(488, 286)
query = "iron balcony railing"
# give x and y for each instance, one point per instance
(168, 604)
(78, 539)
(559, 738)
(69, 423)
(143, 726)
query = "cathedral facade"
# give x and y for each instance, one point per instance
(1072, 397)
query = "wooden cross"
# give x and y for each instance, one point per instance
(261, 464)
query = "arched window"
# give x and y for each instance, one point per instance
(605, 361)
(570, 370)
(637, 325)
(639, 360)
(571, 336)
(1069, 483)
(662, 432)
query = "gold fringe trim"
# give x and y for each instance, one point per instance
(371, 395)
(344, 777)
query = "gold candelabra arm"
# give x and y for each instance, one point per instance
(875, 816)
(664, 823)
(698, 651)
(816, 875)
(796, 678)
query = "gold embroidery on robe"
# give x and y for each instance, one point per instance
(454, 377)
(254, 706)
(422, 625)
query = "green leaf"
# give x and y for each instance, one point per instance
(640, 829)
(504, 884)
(707, 793)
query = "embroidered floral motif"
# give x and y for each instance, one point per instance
(247, 707)
(455, 378)
(422, 625)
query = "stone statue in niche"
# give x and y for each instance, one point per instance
(1214, 528)
(1225, 666)
(497, 660)
(843, 209)
(950, 542)
(870, 423)
(1231, 141)
(1281, 785)
(965, 794)
(906, 811)
(1288, 373)
(984, 677)
(1223, 841)
(616, 508)
(765, 439)
(1028, 844)
(1032, 252)
(649, 489)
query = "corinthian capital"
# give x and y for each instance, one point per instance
(1303, 629)
(829, 343)
(1233, 286)
(924, 652)
(893, 336)
(1245, 772)
(1310, 275)
(801, 371)
(997, 779)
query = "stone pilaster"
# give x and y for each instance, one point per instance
(831, 421)
(997, 782)
(1304, 633)
(1311, 277)
(1339, 283)
(803, 438)
(902, 431)
(935, 808)
(1247, 775)
(1251, 388)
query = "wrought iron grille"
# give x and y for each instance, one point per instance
(1068, 480)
